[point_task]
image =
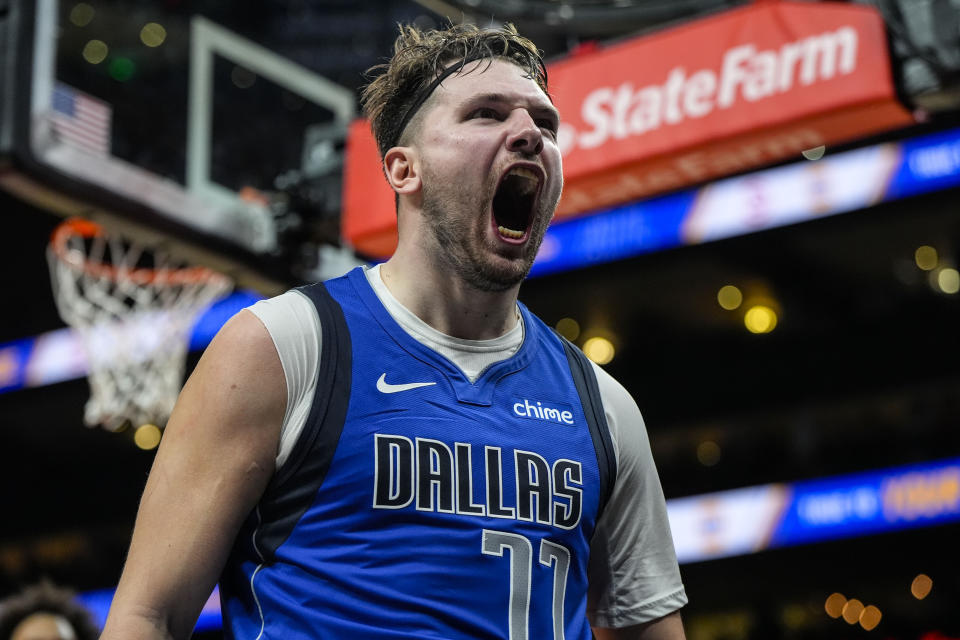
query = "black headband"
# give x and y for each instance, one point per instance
(425, 92)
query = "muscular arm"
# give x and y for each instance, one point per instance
(669, 627)
(215, 460)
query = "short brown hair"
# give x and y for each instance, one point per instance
(421, 57)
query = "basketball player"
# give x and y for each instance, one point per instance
(406, 451)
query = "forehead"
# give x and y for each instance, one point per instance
(486, 77)
(43, 626)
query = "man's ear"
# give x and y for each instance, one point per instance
(403, 170)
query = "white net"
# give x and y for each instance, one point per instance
(134, 310)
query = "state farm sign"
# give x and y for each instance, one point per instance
(736, 91)
(744, 75)
(726, 94)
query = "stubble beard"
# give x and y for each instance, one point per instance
(460, 246)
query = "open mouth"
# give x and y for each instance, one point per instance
(514, 201)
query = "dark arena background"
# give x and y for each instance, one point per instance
(759, 238)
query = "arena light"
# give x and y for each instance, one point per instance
(95, 51)
(729, 297)
(122, 68)
(147, 436)
(948, 279)
(834, 605)
(870, 617)
(926, 257)
(851, 611)
(82, 14)
(708, 453)
(599, 349)
(760, 319)
(153, 34)
(921, 586)
(568, 328)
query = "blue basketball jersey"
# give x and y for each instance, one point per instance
(419, 504)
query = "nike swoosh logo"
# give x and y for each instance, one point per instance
(385, 387)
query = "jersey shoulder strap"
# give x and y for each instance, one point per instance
(295, 484)
(585, 380)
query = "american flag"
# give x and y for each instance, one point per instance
(81, 121)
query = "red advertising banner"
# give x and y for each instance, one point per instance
(733, 92)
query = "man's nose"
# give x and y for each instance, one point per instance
(524, 136)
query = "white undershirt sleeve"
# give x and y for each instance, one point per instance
(292, 322)
(633, 571)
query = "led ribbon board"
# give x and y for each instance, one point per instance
(795, 193)
(743, 521)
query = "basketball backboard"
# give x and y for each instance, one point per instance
(177, 124)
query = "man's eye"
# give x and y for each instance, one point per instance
(485, 113)
(547, 125)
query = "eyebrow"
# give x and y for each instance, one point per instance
(501, 98)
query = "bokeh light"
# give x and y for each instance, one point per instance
(95, 51)
(870, 617)
(852, 610)
(948, 279)
(729, 297)
(82, 14)
(599, 349)
(760, 319)
(568, 328)
(122, 68)
(147, 436)
(834, 604)
(153, 34)
(921, 586)
(796, 615)
(926, 258)
(708, 453)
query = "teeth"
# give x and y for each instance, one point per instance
(530, 177)
(510, 233)
(523, 172)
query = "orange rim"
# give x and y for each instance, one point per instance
(80, 227)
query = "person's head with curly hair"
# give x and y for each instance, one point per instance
(45, 612)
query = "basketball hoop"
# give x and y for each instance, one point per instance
(133, 310)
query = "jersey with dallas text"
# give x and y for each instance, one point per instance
(419, 504)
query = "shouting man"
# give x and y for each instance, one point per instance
(406, 451)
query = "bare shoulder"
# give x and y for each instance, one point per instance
(238, 385)
(244, 341)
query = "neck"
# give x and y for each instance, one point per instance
(445, 302)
